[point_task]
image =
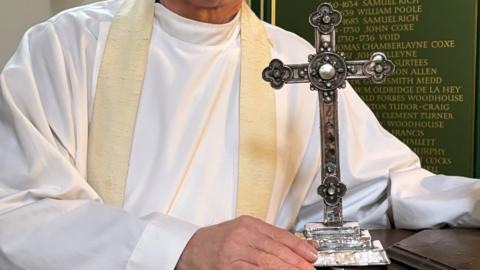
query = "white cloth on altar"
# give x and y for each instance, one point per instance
(184, 160)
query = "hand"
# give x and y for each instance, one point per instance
(246, 243)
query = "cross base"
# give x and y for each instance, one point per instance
(345, 245)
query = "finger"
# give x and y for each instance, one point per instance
(267, 261)
(313, 243)
(299, 246)
(281, 251)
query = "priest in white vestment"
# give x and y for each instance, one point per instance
(184, 163)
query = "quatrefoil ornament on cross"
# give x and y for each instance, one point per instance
(332, 190)
(325, 19)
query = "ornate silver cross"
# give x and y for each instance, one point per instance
(327, 72)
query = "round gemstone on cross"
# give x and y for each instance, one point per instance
(327, 72)
(326, 19)
(379, 68)
(378, 59)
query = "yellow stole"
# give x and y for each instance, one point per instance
(119, 86)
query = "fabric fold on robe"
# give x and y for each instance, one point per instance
(386, 185)
(51, 219)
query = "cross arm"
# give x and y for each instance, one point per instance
(377, 68)
(278, 74)
(324, 20)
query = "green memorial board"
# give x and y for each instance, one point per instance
(430, 101)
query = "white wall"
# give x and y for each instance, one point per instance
(59, 5)
(16, 16)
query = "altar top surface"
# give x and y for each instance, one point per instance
(453, 253)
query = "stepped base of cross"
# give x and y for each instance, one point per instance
(345, 245)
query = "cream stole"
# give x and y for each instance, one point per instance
(119, 88)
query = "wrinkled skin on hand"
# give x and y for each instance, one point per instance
(246, 243)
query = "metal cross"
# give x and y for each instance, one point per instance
(327, 71)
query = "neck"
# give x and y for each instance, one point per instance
(218, 12)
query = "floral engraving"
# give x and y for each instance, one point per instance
(332, 190)
(325, 19)
(277, 74)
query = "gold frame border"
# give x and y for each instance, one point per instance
(262, 9)
(273, 14)
(475, 85)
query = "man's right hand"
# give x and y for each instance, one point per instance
(246, 243)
